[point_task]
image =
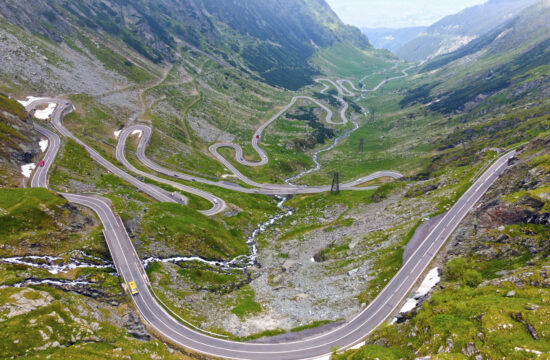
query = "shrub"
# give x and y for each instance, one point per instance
(455, 269)
(471, 278)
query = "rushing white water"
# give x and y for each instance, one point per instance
(55, 264)
(240, 262)
(46, 282)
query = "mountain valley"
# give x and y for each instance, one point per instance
(292, 171)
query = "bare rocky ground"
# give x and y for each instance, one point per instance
(300, 290)
(42, 69)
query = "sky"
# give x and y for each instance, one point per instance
(397, 13)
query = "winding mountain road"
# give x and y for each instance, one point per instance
(383, 82)
(218, 204)
(130, 268)
(57, 122)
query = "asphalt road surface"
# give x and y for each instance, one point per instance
(218, 205)
(56, 120)
(266, 189)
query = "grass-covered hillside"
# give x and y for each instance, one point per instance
(507, 64)
(50, 310)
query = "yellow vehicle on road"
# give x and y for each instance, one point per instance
(133, 288)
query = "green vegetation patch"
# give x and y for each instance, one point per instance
(188, 232)
(116, 62)
(494, 322)
(371, 352)
(245, 305)
(12, 106)
(346, 60)
(64, 325)
(37, 221)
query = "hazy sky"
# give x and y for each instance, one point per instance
(397, 13)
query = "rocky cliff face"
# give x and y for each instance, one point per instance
(18, 142)
(514, 217)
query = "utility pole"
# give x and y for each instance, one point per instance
(361, 145)
(335, 188)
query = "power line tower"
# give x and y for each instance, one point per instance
(361, 145)
(335, 188)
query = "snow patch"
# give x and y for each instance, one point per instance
(46, 113)
(137, 132)
(26, 170)
(29, 100)
(389, 37)
(117, 133)
(430, 281)
(43, 144)
(409, 305)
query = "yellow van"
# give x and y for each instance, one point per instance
(133, 288)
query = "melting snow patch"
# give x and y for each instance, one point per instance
(46, 113)
(117, 133)
(43, 144)
(408, 306)
(29, 100)
(137, 132)
(26, 170)
(431, 280)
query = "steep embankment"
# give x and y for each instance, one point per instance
(18, 142)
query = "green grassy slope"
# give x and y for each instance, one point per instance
(34, 221)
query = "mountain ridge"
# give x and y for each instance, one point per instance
(392, 39)
(286, 37)
(454, 31)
